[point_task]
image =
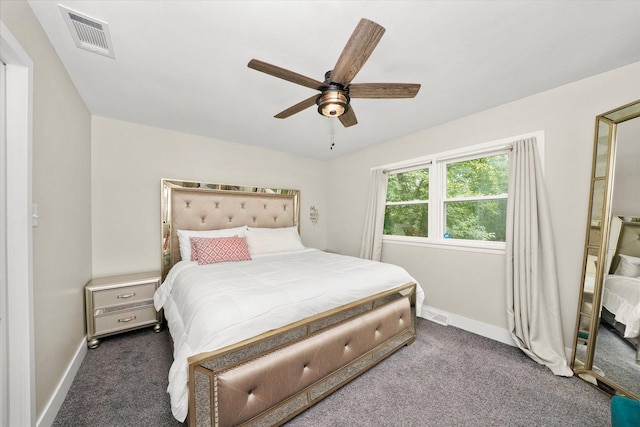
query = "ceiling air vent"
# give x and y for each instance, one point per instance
(88, 33)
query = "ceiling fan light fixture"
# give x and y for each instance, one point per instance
(336, 90)
(333, 103)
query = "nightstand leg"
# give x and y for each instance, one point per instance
(156, 328)
(93, 342)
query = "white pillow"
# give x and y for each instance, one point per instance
(628, 266)
(185, 244)
(268, 240)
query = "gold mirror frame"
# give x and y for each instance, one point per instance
(168, 185)
(596, 245)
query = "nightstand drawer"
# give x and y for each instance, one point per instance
(125, 319)
(123, 295)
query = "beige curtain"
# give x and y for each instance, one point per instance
(374, 220)
(533, 307)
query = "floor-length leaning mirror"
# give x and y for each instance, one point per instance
(606, 350)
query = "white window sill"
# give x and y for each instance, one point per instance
(498, 248)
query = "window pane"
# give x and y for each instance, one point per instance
(406, 220)
(486, 176)
(476, 220)
(408, 186)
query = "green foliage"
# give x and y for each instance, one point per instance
(470, 210)
(477, 220)
(409, 219)
(408, 186)
(486, 176)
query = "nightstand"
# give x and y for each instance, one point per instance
(121, 303)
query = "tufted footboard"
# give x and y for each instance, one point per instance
(268, 379)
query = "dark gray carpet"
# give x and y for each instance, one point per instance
(617, 359)
(448, 377)
(123, 382)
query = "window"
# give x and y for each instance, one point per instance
(475, 199)
(456, 198)
(407, 208)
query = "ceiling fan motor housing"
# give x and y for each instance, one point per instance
(334, 101)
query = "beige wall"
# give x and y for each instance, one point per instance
(472, 284)
(129, 160)
(62, 190)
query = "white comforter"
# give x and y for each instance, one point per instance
(621, 296)
(211, 306)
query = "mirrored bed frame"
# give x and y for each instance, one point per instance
(267, 379)
(626, 242)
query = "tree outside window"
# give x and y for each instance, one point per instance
(407, 208)
(471, 205)
(475, 203)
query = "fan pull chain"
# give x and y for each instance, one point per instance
(332, 136)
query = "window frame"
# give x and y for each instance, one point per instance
(418, 166)
(444, 199)
(437, 192)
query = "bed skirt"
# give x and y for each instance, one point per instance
(268, 379)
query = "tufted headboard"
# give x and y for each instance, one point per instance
(189, 205)
(628, 240)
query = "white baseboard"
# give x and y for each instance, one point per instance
(48, 416)
(479, 328)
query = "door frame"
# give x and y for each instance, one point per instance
(20, 401)
(4, 385)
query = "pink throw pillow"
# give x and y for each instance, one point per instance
(221, 249)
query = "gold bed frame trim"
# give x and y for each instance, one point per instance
(368, 303)
(204, 368)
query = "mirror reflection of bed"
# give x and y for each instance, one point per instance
(617, 348)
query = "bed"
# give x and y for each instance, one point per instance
(263, 335)
(621, 294)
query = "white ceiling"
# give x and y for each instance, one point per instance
(182, 65)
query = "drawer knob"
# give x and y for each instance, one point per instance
(127, 319)
(127, 295)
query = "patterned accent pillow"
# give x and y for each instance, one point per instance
(184, 239)
(221, 249)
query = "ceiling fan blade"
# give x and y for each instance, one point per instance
(361, 44)
(383, 90)
(285, 74)
(297, 108)
(348, 118)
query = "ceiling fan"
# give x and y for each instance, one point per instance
(337, 90)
